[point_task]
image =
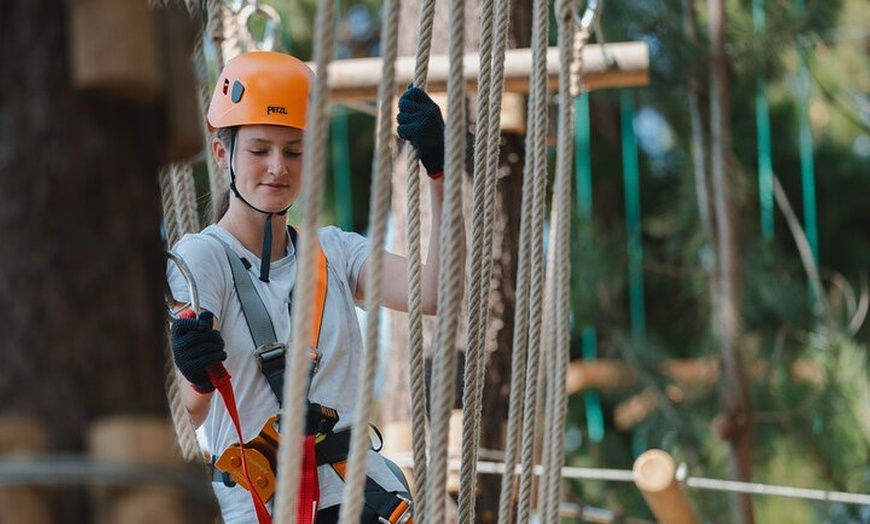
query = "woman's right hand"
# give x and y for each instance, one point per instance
(195, 346)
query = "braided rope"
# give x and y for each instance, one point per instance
(415, 308)
(178, 196)
(167, 199)
(451, 272)
(213, 29)
(536, 164)
(548, 341)
(487, 142)
(478, 287)
(314, 169)
(560, 258)
(524, 363)
(379, 207)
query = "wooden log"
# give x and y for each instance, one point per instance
(113, 50)
(655, 477)
(148, 441)
(621, 64)
(183, 136)
(22, 438)
(598, 374)
(399, 444)
(691, 375)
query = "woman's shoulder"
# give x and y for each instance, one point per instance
(206, 244)
(334, 235)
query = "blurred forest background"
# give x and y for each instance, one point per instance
(648, 239)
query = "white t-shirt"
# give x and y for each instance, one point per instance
(334, 384)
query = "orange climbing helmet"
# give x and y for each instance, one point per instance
(261, 87)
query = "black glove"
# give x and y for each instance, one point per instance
(195, 345)
(420, 123)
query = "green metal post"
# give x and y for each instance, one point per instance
(762, 119)
(631, 177)
(583, 185)
(341, 168)
(808, 175)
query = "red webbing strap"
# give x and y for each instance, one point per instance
(309, 487)
(220, 379)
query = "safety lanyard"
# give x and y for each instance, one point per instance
(220, 379)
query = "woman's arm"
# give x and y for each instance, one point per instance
(196, 403)
(395, 290)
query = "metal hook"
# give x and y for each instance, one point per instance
(187, 274)
(591, 16)
(590, 22)
(234, 5)
(270, 29)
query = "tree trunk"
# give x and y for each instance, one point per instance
(81, 281)
(735, 424)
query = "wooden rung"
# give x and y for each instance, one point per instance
(141, 440)
(621, 64)
(655, 477)
(21, 438)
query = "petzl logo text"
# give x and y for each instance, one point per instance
(276, 109)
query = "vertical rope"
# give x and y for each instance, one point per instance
(451, 274)
(178, 197)
(478, 286)
(559, 331)
(212, 29)
(493, 29)
(526, 334)
(314, 166)
(415, 308)
(379, 208)
(536, 163)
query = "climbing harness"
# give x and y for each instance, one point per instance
(321, 445)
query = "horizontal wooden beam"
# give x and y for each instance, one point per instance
(692, 374)
(620, 64)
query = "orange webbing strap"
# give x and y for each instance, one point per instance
(319, 303)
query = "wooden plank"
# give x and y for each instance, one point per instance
(620, 64)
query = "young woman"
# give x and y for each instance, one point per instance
(258, 111)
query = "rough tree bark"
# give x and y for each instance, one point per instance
(81, 276)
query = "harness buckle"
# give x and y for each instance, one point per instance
(270, 357)
(401, 514)
(319, 420)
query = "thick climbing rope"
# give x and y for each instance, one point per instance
(178, 196)
(379, 207)
(451, 276)
(180, 216)
(559, 269)
(536, 164)
(493, 42)
(415, 307)
(524, 363)
(314, 168)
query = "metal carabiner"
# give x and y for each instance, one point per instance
(187, 274)
(591, 16)
(234, 5)
(271, 25)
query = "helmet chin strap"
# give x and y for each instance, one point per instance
(266, 251)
